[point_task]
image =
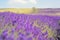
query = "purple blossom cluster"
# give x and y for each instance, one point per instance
(21, 26)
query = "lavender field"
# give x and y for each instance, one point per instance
(29, 27)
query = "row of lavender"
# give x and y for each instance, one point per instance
(28, 27)
(49, 10)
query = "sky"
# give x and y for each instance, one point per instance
(29, 3)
